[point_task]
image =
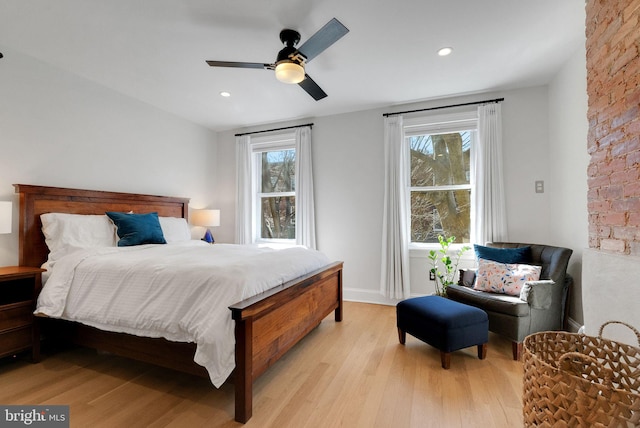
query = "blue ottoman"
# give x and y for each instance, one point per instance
(443, 324)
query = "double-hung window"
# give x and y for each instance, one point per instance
(274, 207)
(440, 182)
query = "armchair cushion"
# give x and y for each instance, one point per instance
(494, 302)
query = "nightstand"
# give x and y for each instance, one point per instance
(19, 331)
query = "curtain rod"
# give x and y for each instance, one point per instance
(276, 129)
(497, 100)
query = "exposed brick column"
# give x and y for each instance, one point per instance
(613, 86)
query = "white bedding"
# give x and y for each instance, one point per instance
(179, 291)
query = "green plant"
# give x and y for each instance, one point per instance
(445, 278)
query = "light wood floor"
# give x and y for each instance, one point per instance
(349, 374)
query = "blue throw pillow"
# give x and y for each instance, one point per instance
(503, 255)
(137, 229)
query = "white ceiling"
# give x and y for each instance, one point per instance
(155, 50)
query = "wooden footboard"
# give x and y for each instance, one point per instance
(269, 324)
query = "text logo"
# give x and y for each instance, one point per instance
(34, 416)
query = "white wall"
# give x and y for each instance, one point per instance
(61, 130)
(568, 127)
(349, 173)
(57, 129)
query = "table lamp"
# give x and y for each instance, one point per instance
(6, 210)
(206, 218)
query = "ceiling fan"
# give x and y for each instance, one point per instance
(289, 65)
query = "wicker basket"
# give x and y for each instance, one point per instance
(575, 380)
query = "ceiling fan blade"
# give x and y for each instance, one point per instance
(241, 64)
(322, 39)
(312, 88)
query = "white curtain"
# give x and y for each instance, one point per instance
(243, 190)
(394, 281)
(490, 212)
(305, 218)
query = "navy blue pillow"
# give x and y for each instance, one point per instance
(137, 229)
(503, 255)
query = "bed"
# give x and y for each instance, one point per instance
(267, 325)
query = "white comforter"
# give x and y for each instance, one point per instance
(178, 291)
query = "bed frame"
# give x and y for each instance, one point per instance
(266, 325)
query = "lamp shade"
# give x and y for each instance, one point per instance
(205, 218)
(6, 210)
(289, 72)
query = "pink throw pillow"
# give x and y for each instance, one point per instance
(504, 278)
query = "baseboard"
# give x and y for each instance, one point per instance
(366, 296)
(370, 296)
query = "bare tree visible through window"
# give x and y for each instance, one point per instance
(278, 194)
(440, 186)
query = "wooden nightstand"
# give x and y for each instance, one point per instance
(19, 331)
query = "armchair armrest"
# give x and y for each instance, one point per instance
(467, 277)
(538, 294)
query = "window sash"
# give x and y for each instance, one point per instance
(443, 188)
(433, 125)
(268, 144)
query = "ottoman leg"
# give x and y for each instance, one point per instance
(445, 359)
(482, 351)
(402, 336)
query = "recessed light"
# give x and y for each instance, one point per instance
(445, 51)
(225, 94)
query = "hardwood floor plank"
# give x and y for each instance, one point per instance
(349, 374)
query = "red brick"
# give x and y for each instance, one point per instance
(611, 192)
(626, 205)
(620, 150)
(625, 117)
(612, 27)
(601, 129)
(628, 233)
(599, 156)
(613, 219)
(624, 59)
(632, 10)
(613, 165)
(598, 206)
(633, 127)
(598, 181)
(634, 218)
(617, 89)
(633, 158)
(626, 30)
(613, 137)
(631, 190)
(614, 245)
(624, 176)
(604, 232)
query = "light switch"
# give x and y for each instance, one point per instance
(539, 186)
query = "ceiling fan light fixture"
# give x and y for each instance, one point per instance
(289, 72)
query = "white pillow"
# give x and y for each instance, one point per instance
(66, 233)
(175, 229)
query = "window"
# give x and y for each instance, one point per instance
(274, 207)
(440, 183)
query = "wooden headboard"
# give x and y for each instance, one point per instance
(37, 200)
